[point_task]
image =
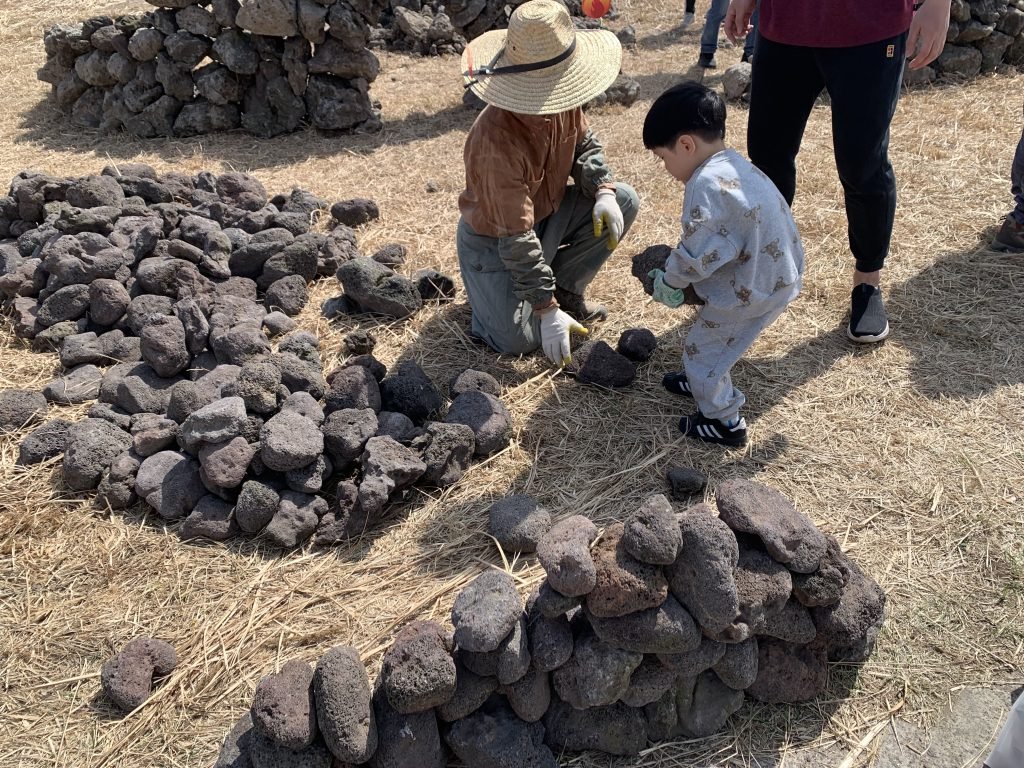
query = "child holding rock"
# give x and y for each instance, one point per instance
(739, 256)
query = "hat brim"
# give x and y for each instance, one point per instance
(593, 67)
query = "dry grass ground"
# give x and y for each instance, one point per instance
(910, 452)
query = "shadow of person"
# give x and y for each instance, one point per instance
(45, 125)
(962, 318)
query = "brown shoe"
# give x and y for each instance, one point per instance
(1010, 238)
(582, 310)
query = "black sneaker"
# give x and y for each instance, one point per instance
(677, 384)
(1010, 238)
(700, 427)
(868, 321)
(707, 61)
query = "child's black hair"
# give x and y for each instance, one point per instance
(685, 108)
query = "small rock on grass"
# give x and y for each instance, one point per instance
(685, 482)
(564, 553)
(127, 678)
(638, 344)
(517, 522)
(594, 362)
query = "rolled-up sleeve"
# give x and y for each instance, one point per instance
(590, 170)
(532, 279)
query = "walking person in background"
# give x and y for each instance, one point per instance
(688, 16)
(1010, 238)
(855, 50)
(709, 38)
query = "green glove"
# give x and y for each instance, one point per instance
(665, 293)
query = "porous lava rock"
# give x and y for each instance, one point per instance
(652, 534)
(685, 482)
(518, 522)
(92, 446)
(44, 442)
(594, 362)
(20, 408)
(418, 671)
(789, 536)
(623, 584)
(495, 737)
(487, 416)
(651, 258)
(407, 389)
(702, 580)
(486, 611)
(343, 705)
(127, 677)
(283, 707)
(638, 344)
(474, 381)
(565, 556)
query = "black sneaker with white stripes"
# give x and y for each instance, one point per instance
(700, 427)
(677, 384)
(868, 321)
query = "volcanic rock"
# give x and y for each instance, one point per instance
(127, 678)
(486, 611)
(518, 523)
(564, 553)
(418, 672)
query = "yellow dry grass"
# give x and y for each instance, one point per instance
(910, 452)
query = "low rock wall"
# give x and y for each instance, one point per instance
(190, 68)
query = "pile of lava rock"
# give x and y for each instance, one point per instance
(193, 67)
(656, 629)
(164, 312)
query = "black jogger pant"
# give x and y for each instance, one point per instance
(863, 83)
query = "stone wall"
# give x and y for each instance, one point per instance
(192, 67)
(657, 632)
(982, 35)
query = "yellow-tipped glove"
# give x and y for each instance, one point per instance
(608, 214)
(555, 327)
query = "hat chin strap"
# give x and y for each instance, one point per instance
(489, 70)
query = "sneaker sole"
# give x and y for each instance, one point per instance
(867, 338)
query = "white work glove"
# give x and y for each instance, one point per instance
(555, 326)
(608, 214)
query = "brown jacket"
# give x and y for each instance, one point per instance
(517, 168)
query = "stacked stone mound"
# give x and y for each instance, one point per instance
(164, 312)
(657, 631)
(982, 35)
(192, 67)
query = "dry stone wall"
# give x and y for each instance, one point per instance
(191, 67)
(657, 631)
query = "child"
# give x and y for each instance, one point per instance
(740, 253)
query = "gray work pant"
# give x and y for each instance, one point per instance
(500, 318)
(713, 346)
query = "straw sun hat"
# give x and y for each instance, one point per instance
(541, 64)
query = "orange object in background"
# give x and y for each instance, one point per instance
(595, 9)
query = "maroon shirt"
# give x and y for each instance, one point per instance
(833, 23)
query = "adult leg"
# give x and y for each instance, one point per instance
(784, 83)
(567, 236)
(500, 318)
(712, 23)
(712, 347)
(864, 84)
